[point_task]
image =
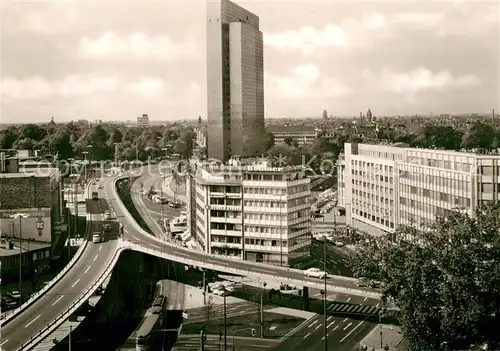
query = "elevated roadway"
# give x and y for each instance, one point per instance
(95, 258)
(51, 309)
(139, 240)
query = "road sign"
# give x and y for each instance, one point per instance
(40, 226)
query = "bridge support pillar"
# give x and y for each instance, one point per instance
(305, 296)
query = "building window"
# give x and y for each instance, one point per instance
(487, 170)
(487, 187)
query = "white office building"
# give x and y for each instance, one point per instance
(254, 212)
(143, 120)
(384, 186)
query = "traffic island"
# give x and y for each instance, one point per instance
(124, 187)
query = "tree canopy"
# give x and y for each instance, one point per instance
(100, 141)
(445, 282)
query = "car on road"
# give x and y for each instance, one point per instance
(96, 238)
(315, 273)
(106, 227)
(363, 282)
(99, 186)
(338, 243)
(107, 214)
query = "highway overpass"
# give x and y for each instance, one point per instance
(34, 321)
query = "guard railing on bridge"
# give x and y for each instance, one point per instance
(47, 330)
(8, 316)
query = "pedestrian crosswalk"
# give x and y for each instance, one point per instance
(348, 308)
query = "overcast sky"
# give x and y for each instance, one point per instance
(117, 60)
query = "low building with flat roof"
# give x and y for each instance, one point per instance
(34, 199)
(35, 257)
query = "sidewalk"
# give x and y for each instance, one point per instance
(392, 336)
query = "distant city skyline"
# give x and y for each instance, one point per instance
(70, 61)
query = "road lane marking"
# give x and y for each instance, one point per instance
(95, 258)
(100, 248)
(353, 329)
(349, 299)
(347, 326)
(366, 298)
(59, 299)
(75, 283)
(377, 305)
(307, 335)
(158, 247)
(335, 328)
(329, 325)
(329, 318)
(4, 342)
(313, 323)
(345, 320)
(87, 270)
(319, 325)
(27, 325)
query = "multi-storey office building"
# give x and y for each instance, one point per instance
(256, 213)
(235, 81)
(387, 186)
(302, 135)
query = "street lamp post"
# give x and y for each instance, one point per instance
(252, 332)
(324, 295)
(262, 310)
(161, 201)
(225, 319)
(20, 216)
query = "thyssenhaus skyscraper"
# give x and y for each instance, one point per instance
(235, 81)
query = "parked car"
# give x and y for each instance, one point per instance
(220, 292)
(15, 295)
(107, 214)
(106, 227)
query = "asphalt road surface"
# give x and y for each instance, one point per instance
(214, 343)
(343, 334)
(335, 259)
(154, 207)
(199, 314)
(78, 280)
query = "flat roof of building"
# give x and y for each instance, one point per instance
(24, 244)
(32, 172)
(480, 153)
(290, 129)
